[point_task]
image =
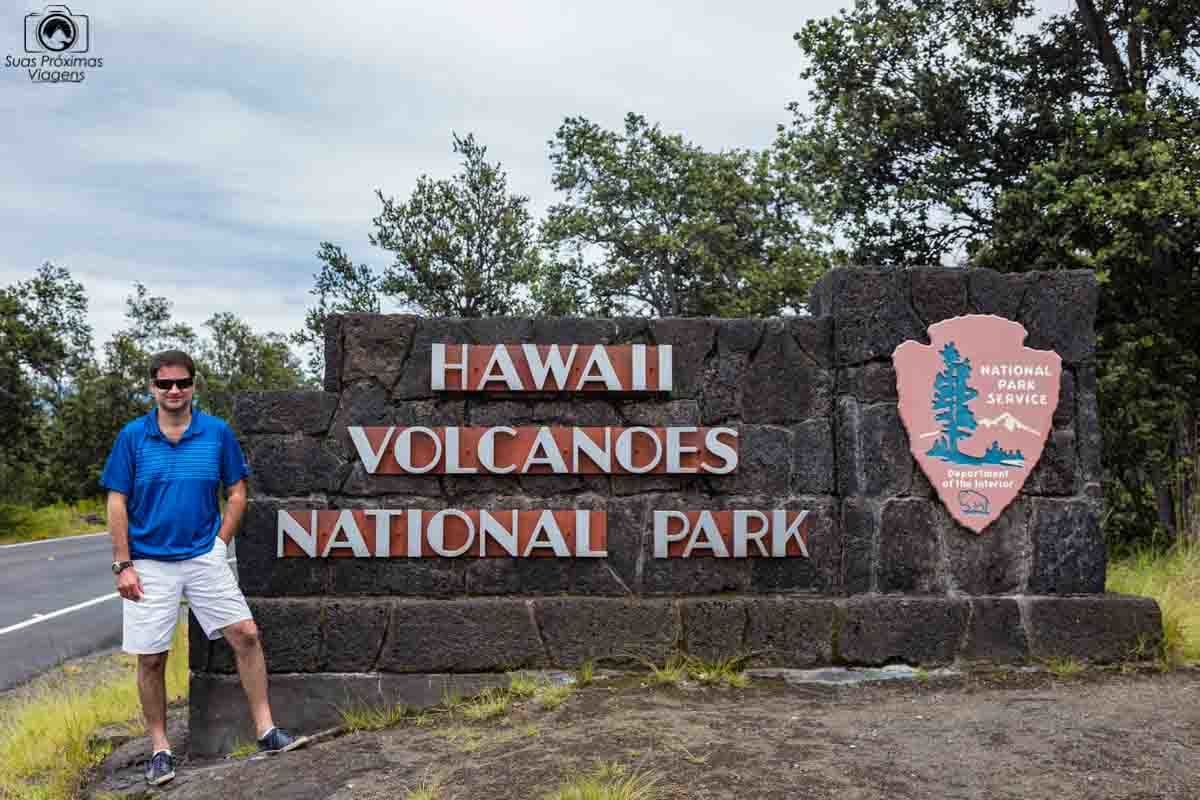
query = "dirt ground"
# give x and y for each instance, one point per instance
(1011, 735)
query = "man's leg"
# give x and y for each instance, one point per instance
(252, 669)
(152, 689)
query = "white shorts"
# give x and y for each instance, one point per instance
(206, 581)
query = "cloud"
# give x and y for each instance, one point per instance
(222, 141)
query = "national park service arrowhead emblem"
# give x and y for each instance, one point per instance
(977, 405)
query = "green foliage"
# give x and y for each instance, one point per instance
(608, 781)
(24, 523)
(372, 718)
(340, 288)
(463, 246)
(677, 230)
(967, 130)
(1172, 578)
(234, 359)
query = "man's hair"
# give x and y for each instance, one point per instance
(172, 358)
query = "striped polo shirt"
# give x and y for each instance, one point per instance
(171, 488)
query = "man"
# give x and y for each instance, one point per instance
(170, 541)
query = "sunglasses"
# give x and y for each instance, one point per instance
(165, 384)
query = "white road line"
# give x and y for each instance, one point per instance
(77, 607)
(59, 539)
(59, 613)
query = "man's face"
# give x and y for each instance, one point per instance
(174, 398)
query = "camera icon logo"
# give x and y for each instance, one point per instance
(56, 30)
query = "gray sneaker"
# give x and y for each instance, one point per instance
(278, 740)
(160, 769)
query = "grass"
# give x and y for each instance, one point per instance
(488, 704)
(722, 672)
(24, 523)
(609, 781)
(1063, 667)
(428, 789)
(371, 718)
(244, 750)
(551, 697)
(585, 674)
(1173, 579)
(46, 736)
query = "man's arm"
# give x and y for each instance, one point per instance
(235, 506)
(129, 585)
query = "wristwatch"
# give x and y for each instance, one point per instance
(118, 566)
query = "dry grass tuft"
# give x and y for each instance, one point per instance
(1173, 579)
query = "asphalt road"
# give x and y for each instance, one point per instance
(57, 601)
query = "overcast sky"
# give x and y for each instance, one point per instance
(221, 142)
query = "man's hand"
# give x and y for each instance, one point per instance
(129, 585)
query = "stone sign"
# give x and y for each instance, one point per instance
(470, 497)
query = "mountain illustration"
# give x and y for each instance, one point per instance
(1009, 422)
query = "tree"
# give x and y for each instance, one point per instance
(44, 342)
(340, 288)
(677, 230)
(464, 247)
(234, 359)
(966, 130)
(950, 398)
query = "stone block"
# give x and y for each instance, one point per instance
(332, 379)
(738, 336)
(812, 460)
(607, 630)
(912, 630)
(360, 483)
(580, 411)
(352, 633)
(292, 466)
(721, 389)
(290, 630)
(821, 572)
(995, 632)
(1101, 628)
(860, 538)
(939, 293)
(790, 631)
(218, 720)
(415, 382)
(873, 459)
(874, 382)
(198, 646)
(991, 292)
(363, 403)
(284, 412)
(376, 346)
(597, 577)
(764, 463)
(714, 629)
(871, 312)
(426, 577)
(575, 330)
(664, 414)
(1069, 555)
(994, 561)
(474, 635)
(500, 576)
(787, 382)
(1064, 414)
(1059, 311)
(696, 575)
(1087, 425)
(499, 330)
(691, 340)
(260, 572)
(909, 547)
(1056, 472)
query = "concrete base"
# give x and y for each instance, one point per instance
(468, 655)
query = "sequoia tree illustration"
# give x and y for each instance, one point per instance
(951, 394)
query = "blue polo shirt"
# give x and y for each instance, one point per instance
(171, 487)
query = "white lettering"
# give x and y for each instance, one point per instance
(307, 539)
(508, 371)
(452, 454)
(383, 530)
(487, 450)
(547, 534)
(544, 443)
(742, 534)
(403, 450)
(441, 366)
(599, 362)
(721, 450)
(779, 542)
(662, 531)
(553, 363)
(347, 525)
(706, 525)
(625, 450)
(493, 527)
(436, 535)
(675, 449)
(366, 453)
(583, 536)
